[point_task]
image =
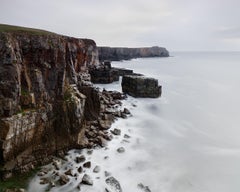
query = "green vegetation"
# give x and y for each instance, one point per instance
(12, 28)
(18, 181)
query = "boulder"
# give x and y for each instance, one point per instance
(87, 180)
(141, 86)
(113, 185)
(116, 131)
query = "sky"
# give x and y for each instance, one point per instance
(178, 25)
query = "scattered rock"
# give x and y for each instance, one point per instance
(126, 136)
(80, 159)
(87, 164)
(121, 150)
(80, 169)
(107, 174)
(113, 185)
(126, 111)
(89, 152)
(143, 188)
(57, 164)
(87, 180)
(105, 125)
(69, 172)
(63, 179)
(106, 157)
(44, 181)
(96, 169)
(116, 131)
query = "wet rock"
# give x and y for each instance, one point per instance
(80, 169)
(116, 131)
(105, 125)
(89, 152)
(68, 172)
(40, 174)
(80, 159)
(141, 86)
(121, 150)
(87, 180)
(87, 164)
(126, 111)
(57, 164)
(126, 136)
(113, 185)
(107, 174)
(143, 188)
(63, 179)
(101, 141)
(96, 169)
(44, 181)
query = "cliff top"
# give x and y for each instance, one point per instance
(14, 29)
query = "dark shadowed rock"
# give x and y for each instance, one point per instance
(63, 179)
(80, 169)
(121, 150)
(116, 131)
(141, 86)
(143, 188)
(80, 159)
(87, 164)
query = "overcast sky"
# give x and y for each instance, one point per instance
(175, 24)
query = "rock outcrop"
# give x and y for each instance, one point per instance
(44, 95)
(123, 53)
(141, 86)
(105, 73)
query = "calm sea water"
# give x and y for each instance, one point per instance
(186, 141)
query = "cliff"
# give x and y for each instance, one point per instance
(41, 105)
(122, 53)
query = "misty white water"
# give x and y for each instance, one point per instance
(186, 141)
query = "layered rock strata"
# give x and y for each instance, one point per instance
(141, 86)
(124, 53)
(45, 96)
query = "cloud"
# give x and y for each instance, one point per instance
(177, 25)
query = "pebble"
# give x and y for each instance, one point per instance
(121, 150)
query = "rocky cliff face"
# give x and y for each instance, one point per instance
(121, 53)
(41, 106)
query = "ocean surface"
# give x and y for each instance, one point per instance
(188, 140)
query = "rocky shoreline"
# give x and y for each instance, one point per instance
(48, 104)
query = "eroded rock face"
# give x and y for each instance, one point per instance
(141, 86)
(124, 53)
(41, 105)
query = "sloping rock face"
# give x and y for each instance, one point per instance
(141, 86)
(41, 106)
(123, 53)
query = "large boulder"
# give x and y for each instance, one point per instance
(141, 86)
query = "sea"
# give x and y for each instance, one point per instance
(188, 140)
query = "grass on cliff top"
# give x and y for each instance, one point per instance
(15, 29)
(18, 181)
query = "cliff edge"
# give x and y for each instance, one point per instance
(41, 106)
